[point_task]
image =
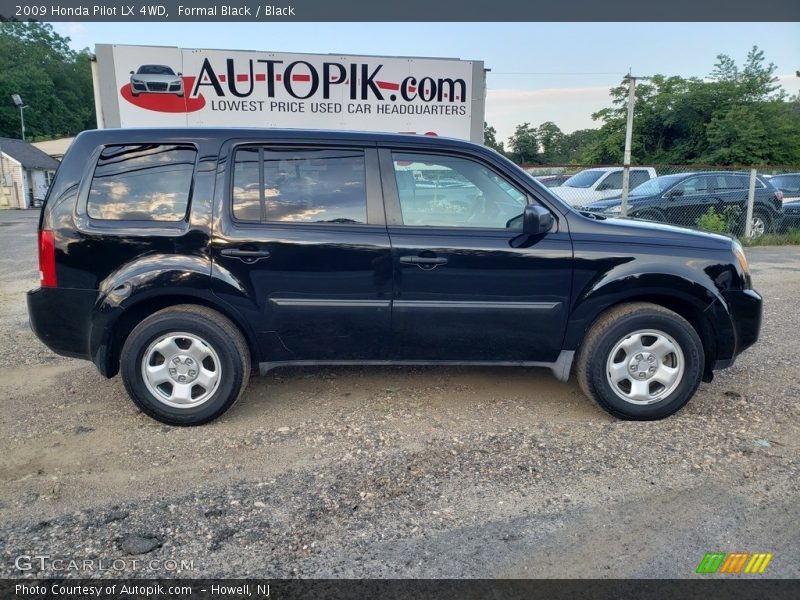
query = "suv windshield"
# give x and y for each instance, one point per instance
(656, 186)
(155, 70)
(584, 179)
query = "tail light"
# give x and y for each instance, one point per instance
(47, 259)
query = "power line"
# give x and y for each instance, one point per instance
(555, 73)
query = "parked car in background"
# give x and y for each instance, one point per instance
(596, 184)
(551, 180)
(682, 198)
(791, 215)
(156, 79)
(789, 184)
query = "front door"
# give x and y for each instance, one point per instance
(468, 285)
(303, 234)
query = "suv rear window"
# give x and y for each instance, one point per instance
(736, 182)
(300, 186)
(142, 183)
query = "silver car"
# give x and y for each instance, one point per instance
(156, 79)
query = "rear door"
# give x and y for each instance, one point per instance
(689, 199)
(468, 285)
(302, 235)
(732, 190)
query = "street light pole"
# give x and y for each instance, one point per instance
(22, 121)
(18, 101)
(626, 160)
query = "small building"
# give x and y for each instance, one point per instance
(25, 173)
(55, 148)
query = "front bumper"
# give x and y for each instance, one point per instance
(157, 88)
(744, 309)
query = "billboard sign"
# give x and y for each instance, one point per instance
(146, 86)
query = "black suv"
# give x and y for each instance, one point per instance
(186, 257)
(681, 198)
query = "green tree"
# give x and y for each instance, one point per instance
(490, 138)
(54, 81)
(524, 145)
(551, 139)
(739, 115)
(754, 134)
(754, 122)
(575, 146)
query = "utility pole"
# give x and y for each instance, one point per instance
(626, 161)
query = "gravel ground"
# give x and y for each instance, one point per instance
(397, 472)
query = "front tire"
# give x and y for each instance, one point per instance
(640, 361)
(185, 365)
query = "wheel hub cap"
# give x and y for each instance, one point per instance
(183, 369)
(645, 366)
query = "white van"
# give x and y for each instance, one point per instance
(598, 184)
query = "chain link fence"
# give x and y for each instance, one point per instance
(706, 197)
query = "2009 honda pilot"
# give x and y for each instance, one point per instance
(185, 257)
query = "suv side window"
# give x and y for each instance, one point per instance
(299, 186)
(447, 191)
(612, 182)
(147, 182)
(732, 182)
(694, 186)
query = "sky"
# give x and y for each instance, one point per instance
(558, 72)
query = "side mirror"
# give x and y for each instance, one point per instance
(675, 194)
(180, 74)
(536, 220)
(132, 73)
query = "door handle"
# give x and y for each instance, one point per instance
(238, 253)
(423, 260)
(248, 256)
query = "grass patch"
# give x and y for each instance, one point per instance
(788, 238)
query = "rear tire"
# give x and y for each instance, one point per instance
(761, 224)
(640, 361)
(185, 365)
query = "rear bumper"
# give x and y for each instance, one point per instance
(744, 311)
(60, 318)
